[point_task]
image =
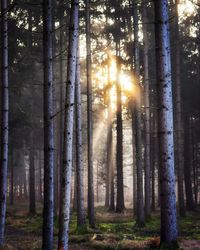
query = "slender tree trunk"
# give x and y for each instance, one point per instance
(12, 179)
(40, 178)
(187, 166)
(32, 205)
(48, 210)
(165, 125)
(91, 214)
(178, 124)
(134, 160)
(112, 178)
(4, 118)
(68, 129)
(138, 121)
(119, 159)
(147, 160)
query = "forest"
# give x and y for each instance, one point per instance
(100, 124)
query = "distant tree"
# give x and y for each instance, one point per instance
(68, 129)
(165, 125)
(4, 117)
(48, 209)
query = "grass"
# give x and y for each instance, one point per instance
(113, 231)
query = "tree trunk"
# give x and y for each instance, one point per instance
(91, 214)
(178, 123)
(12, 178)
(187, 166)
(32, 205)
(4, 118)
(138, 121)
(147, 160)
(112, 178)
(119, 158)
(68, 129)
(48, 210)
(165, 125)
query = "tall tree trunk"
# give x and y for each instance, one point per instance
(165, 125)
(119, 152)
(48, 210)
(178, 123)
(68, 129)
(138, 121)
(187, 166)
(91, 214)
(4, 118)
(147, 160)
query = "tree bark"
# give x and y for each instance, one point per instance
(165, 125)
(68, 129)
(178, 124)
(79, 148)
(4, 118)
(187, 166)
(48, 210)
(147, 160)
(119, 158)
(138, 121)
(91, 214)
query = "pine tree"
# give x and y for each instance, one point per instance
(165, 125)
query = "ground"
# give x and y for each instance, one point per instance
(113, 231)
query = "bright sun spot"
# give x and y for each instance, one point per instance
(186, 8)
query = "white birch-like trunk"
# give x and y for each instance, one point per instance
(68, 129)
(165, 125)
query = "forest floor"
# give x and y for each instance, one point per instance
(113, 231)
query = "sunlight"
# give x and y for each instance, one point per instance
(186, 8)
(113, 70)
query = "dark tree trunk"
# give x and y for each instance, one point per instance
(147, 160)
(187, 166)
(4, 118)
(178, 118)
(32, 205)
(48, 210)
(165, 126)
(91, 214)
(119, 151)
(138, 122)
(12, 179)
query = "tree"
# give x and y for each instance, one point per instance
(119, 151)
(79, 156)
(91, 214)
(4, 118)
(165, 125)
(48, 210)
(147, 160)
(138, 121)
(68, 129)
(178, 118)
